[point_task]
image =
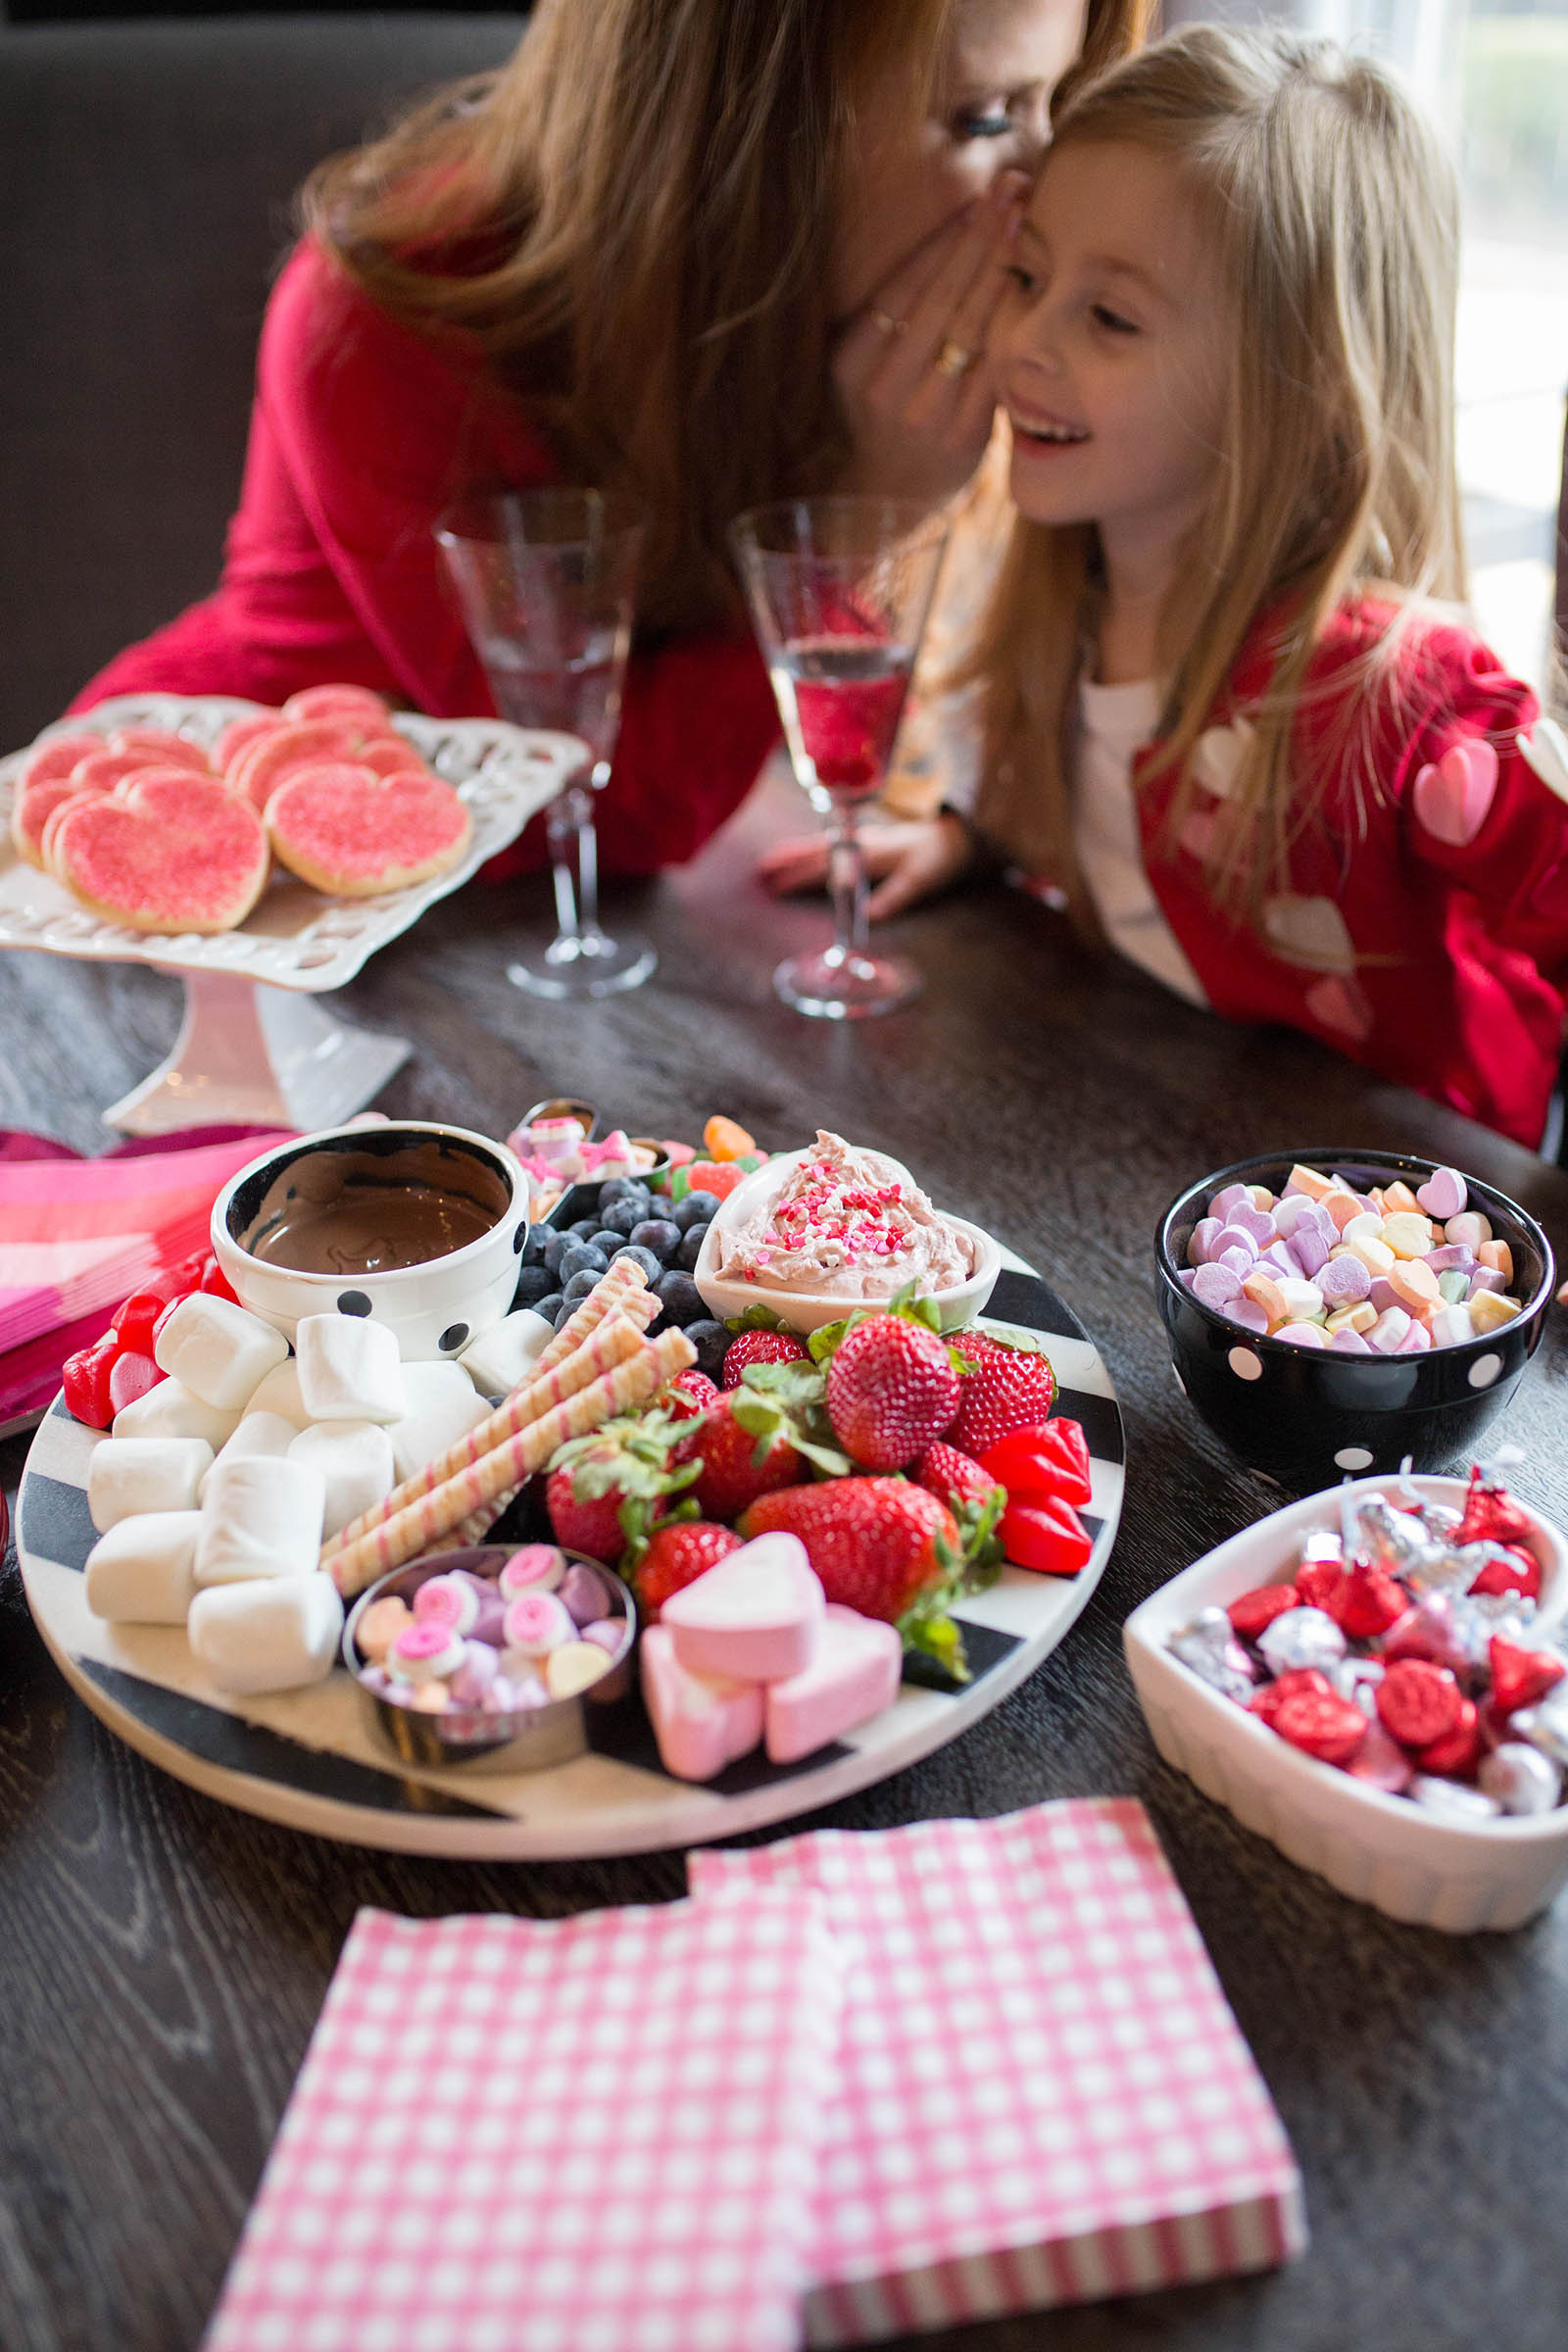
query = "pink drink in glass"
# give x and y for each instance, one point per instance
(841, 700)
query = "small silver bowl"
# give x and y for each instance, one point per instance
(490, 1742)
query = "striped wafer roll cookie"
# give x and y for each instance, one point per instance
(434, 1514)
(614, 1338)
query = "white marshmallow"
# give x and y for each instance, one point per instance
(142, 1572)
(272, 1634)
(505, 1354)
(350, 1369)
(260, 1517)
(354, 1460)
(218, 1348)
(127, 1475)
(279, 1392)
(443, 1406)
(172, 1410)
(259, 1436)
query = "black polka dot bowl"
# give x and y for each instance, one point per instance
(1306, 1416)
(420, 1225)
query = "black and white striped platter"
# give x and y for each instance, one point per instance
(314, 1761)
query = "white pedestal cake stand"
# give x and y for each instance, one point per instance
(253, 1044)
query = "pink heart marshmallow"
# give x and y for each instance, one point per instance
(755, 1616)
(855, 1673)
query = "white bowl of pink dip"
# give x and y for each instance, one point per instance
(816, 1234)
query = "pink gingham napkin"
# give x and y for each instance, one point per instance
(587, 2135)
(1043, 2094)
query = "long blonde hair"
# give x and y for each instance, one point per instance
(1335, 218)
(632, 221)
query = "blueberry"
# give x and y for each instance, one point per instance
(605, 1238)
(581, 1257)
(566, 1311)
(533, 1283)
(660, 1236)
(620, 1216)
(583, 1228)
(695, 1210)
(550, 1307)
(554, 1244)
(691, 1243)
(681, 1297)
(626, 1187)
(649, 1265)
(712, 1343)
(533, 1248)
(578, 1287)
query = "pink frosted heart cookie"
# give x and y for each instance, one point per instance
(55, 758)
(264, 764)
(174, 852)
(161, 747)
(391, 756)
(240, 734)
(104, 770)
(356, 834)
(338, 702)
(33, 810)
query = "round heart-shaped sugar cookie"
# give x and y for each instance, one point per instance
(350, 831)
(240, 734)
(338, 702)
(55, 756)
(104, 770)
(263, 764)
(161, 747)
(35, 809)
(173, 851)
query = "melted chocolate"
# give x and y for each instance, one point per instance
(354, 1212)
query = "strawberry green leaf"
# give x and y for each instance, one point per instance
(825, 1339)
(794, 1384)
(927, 1628)
(755, 1319)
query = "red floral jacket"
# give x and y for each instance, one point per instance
(1425, 928)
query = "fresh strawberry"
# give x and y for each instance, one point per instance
(891, 1390)
(880, 1545)
(588, 1522)
(676, 1556)
(760, 1348)
(952, 1477)
(606, 1491)
(1049, 1458)
(741, 1452)
(690, 1392)
(1007, 1389)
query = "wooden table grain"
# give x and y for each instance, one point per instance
(165, 1958)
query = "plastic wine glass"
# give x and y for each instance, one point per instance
(547, 580)
(839, 589)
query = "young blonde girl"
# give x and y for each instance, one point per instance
(1227, 717)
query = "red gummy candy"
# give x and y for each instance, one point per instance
(216, 1282)
(1419, 1702)
(1252, 1613)
(1046, 1535)
(1518, 1572)
(136, 1319)
(1322, 1584)
(1459, 1751)
(1519, 1676)
(1266, 1703)
(130, 1376)
(1321, 1724)
(1372, 1601)
(1492, 1516)
(188, 1275)
(84, 1378)
(1049, 1458)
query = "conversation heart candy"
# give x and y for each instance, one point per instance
(1201, 1241)
(1443, 1195)
(1216, 1286)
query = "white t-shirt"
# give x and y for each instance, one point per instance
(1113, 723)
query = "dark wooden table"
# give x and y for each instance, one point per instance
(165, 1959)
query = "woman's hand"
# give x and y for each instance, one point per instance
(907, 859)
(910, 364)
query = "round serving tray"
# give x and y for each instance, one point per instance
(310, 1761)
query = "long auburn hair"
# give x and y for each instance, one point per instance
(1335, 218)
(631, 221)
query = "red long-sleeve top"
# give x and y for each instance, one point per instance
(361, 433)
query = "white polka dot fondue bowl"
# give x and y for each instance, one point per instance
(1307, 1415)
(416, 1224)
